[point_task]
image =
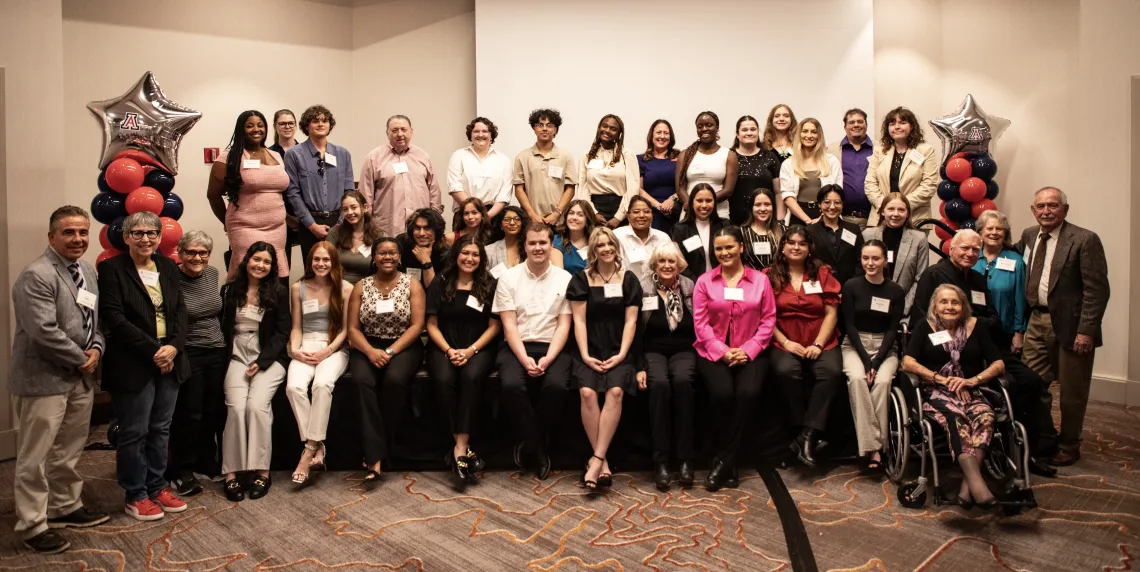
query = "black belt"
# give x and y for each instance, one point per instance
(325, 214)
(807, 204)
(856, 214)
(1042, 309)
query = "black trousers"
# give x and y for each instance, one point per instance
(671, 397)
(378, 411)
(1030, 398)
(306, 239)
(199, 415)
(732, 394)
(809, 396)
(531, 423)
(459, 388)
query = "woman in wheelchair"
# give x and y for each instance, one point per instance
(950, 355)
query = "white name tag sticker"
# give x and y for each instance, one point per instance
(149, 277)
(915, 157)
(734, 294)
(812, 287)
(939, 338)
(696, 169)
(364, 250)
(692, 243)
(762, 248)
(416, 273)
(474, 304)
(890, 256)
(978, 298)
(400, 167)
(87, 299)
(584, 253)
(255, 314)
(498, 270)
(636, 254)
(251, 164)
(595, 164)
(554, 172)
(330, 159)
(613, 290)
(385, 306)
(310, 306)
(649, 303)
(1007, 264)
(880, 304)
(848, 237)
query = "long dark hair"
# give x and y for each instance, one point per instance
(268, 292)
(778, 271)
(232, 182)
(336, 279)
(691, 151)
(916, 136)
(435, 223)
(344, 230)
(773, 224)
(563, 231)
(619, 141)
(458, 225)
(480, 279)
(691, 213)
(497, 233)
(670, 152)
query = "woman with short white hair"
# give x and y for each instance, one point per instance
(1004, 270)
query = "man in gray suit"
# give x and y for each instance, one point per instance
(55, 360)
(1068, 292)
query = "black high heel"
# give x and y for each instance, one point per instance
(591, 485)
(605, 480)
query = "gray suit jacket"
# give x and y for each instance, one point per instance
(49, 343)
(912, 259)
(1078, 282)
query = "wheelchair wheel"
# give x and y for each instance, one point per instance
(998, 463)
(898, 437)
(909, 499)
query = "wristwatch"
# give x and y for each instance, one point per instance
(427, 266)
(816, 345)
(388, 350)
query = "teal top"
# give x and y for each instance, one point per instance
(571, 261)
(1007, 289)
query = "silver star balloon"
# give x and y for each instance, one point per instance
(968, 129)
(144, 119)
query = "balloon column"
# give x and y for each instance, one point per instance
(968, 187)
(142, 130)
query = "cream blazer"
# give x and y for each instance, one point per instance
(918, 180)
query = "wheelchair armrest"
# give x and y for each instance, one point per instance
(914, 380)
(1005, 380)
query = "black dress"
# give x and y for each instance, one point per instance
(605, 324)
(755, 172)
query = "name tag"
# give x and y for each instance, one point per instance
(330, 159)
(939, 338)
(554, 172)
(890, 256)
(915, 157)
(87, 299)
(595, 164)
(584, 253)
(149, 277)
(848, 237)
(649, 303)
(255, 314)
(385, 306)
(400, 167)
(536, 306)
(978, 298)
(474, 304)
(762, 248)
(613, 290)
(692, 243)
(880, 304)
(416, 274)
(364, 250)
(734, 294)
(812, 287)
(251, 164)
(1007, 264)
(636, 254)
(498, 270)
(309, 306)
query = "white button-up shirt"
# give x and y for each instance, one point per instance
(536, 300)
(487, 178)
(635, 254)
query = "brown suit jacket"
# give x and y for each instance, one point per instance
(1078, 282)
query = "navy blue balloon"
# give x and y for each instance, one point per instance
(958, 210)
(942, 172)
(160, 181)
(108, 206)
(975, 155)
(968, 223)
(102, 182)
(948, 190)
(173, 207)
(992, 190)
(984, 168)
(115, 234)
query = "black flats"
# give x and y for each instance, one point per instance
(259, 485)
(235, 492)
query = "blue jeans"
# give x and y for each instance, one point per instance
(144, 436)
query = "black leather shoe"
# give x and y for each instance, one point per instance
(661, 477)
(717, 476)
(543, 469)
(475, 462)
(1039, 468)
(79, 518)
(687, 476)
(47, 542)
(235, 492)
(186, 485)
(733, 480)
(259, 486)
(987, 505)
(804, 447)
(961, 502)
(519, 456)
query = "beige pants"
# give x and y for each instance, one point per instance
(1046, 356)
(313, 417)
(869, 405)
(53, 430)
(247, 442)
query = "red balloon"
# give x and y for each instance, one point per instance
(150, 200)
(171, 234)
(959, 170)
(170, 252)
(959, 155)
(108, 253)
(942, 210)
(946, 247)
(142, 157)
(982, 206)
(103, 240)
(125, 175)
(972, 190)
(942, 234)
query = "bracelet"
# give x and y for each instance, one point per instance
(817, 345)
(474, 349)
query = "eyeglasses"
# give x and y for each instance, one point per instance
(286, 123)
(380, 254)
(195, 254)
(832, 203)
(137, 234)
(512, 220)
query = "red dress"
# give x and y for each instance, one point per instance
(799, 316)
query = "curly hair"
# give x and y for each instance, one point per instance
(778, 272)
(551, 115)
(480, 279)
(490, 127)
(670, 152)
(232, 182)
(618, 141)
(497, 232)
(312, 113)
(916, 136)
(691, 151)
(457, 224)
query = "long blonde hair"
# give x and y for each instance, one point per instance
(819, 153)
(592, 258)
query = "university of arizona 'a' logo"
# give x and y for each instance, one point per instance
(130, 121)
(975, 134)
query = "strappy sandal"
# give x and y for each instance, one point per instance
(591, 485)
(369, 474)
(605, 480)
(319, 454)
(299, 478)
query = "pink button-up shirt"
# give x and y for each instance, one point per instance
(746, 324)
(395, 196)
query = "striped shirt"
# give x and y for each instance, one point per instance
(203, 304)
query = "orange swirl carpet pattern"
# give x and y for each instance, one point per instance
(1088, 520)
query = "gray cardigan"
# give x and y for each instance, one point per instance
(650, 289)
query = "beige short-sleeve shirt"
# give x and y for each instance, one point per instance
(536, 172)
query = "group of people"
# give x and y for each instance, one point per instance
(555, 278)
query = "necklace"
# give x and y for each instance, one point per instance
(385, 288)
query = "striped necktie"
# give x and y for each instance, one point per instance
(88, 315)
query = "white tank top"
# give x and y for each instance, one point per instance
(710, 169)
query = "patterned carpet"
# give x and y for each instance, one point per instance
(1088, 520)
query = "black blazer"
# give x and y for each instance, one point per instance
(127, 319)
(272, 336)
(696, 258)
(844, 259)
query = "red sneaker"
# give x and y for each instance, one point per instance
(168, 502)
(144, 509)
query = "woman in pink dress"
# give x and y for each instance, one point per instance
(253, 178)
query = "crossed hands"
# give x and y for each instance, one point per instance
(163, 358)
(734, 357)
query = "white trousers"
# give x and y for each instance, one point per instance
(247, 442)
(313, 416)
(869, 405)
